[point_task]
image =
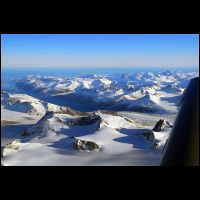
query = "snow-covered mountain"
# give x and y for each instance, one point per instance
(44, 133)
(121, 92)
(62, 127)
(28, 104)
(146, 103)
(106, 132)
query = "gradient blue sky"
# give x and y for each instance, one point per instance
(99, 50)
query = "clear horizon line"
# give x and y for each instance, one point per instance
(67, 67)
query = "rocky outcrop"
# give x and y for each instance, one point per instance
(84, 145)
(85, 121)
(48, 115)
(69, 111)
(149, 135)
(22, 103)
(154, 146)
(41, 127)
(159, 125)
(168, 124)
(6, 123)
(14, 145)
(109, 112)
(51, 123)
(28, 104)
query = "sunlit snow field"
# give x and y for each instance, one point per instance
(139, 96)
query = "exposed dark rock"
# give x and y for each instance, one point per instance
(149, 135)
(159, 125)
(6, 122)
(58, 119)
(168, 124)
(41, 127)
(12, 145)
(62, 91)
(106, 123)
(48, 115)
(28, 118)
(128, 120)
(143, 109)
(79, 144)
(154, 146)
(109, 112)
(69, 111)
(117, 129)
(84, 121)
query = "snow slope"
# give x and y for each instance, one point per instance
(120, 138)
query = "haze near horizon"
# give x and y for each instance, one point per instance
(99, 50)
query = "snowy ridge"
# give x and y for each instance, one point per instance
(122, 92)
(104, 132)
(109, 133)
(28, 104)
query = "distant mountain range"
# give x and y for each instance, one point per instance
(143, 92)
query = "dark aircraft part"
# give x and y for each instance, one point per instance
(182, 147)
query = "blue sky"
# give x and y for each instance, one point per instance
(100, 50)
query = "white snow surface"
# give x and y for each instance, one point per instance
(119, 137)
(140, 100)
